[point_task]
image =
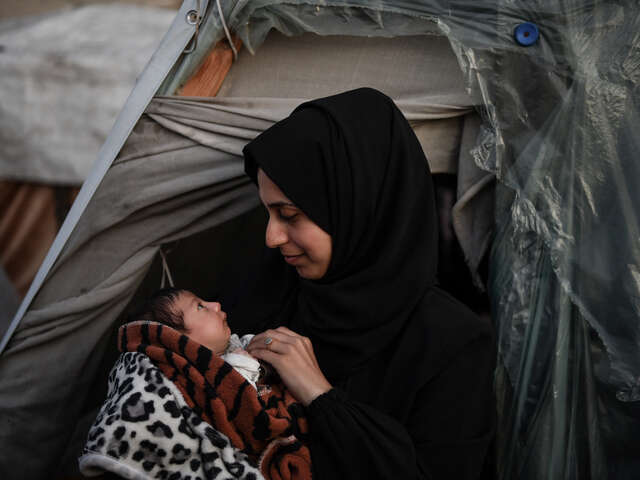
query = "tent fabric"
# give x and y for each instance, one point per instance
(9, 300)
(180, 172)
(104, 261)
(30, 215)
(171, 47)
(54, 82)
(28, 225)
(311, 65)
(414, 68)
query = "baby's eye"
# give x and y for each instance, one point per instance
(200, 306)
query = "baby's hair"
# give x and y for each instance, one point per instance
(160, 308)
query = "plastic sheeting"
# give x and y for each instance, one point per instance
(559, 131)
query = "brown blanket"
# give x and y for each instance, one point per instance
(269, 427)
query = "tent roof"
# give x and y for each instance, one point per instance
(161, 62)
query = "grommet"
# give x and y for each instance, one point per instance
(526, 34)
(192, 17)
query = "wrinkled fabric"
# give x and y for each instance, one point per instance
(28, 225)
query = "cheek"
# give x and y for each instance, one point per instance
(317, 245)
(326, 252)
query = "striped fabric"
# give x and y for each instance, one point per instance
(270, 427)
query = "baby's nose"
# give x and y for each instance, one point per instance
(216, 306)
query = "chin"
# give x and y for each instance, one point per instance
(301, 274)
(309, 274)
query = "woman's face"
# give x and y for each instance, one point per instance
(302, 243)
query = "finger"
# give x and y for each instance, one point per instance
(306, 341)
(260, 338)
(285, 335)
(281, 348)
(288, 331)
(297, 349)
(294, 334)
(280, 333)
(268, 356)
(269, 333)
(279, 336)
(269, 341)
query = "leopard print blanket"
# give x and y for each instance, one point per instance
(146, 430)
(266, 430)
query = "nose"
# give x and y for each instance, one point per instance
(215, 306)
(275, 235)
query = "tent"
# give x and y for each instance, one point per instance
(541, 101)
(54, 83)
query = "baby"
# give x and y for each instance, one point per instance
(178, 404)
(206, 323)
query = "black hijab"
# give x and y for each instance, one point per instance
(352, 163)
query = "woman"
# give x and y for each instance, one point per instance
(396, 375)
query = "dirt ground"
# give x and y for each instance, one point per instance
(18, 8)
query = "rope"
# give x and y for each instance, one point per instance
(226, 31)
(166, 273)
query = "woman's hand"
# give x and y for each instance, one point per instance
(292, 356)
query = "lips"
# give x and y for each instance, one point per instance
(293, 259)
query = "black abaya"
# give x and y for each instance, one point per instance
(412, 368)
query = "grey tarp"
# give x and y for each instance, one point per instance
(9, 301)
(64, 78)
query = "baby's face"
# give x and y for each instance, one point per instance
(204, 322)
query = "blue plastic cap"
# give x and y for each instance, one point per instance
(526, 34)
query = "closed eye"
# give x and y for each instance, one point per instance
(287, 214)
(287, 218)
